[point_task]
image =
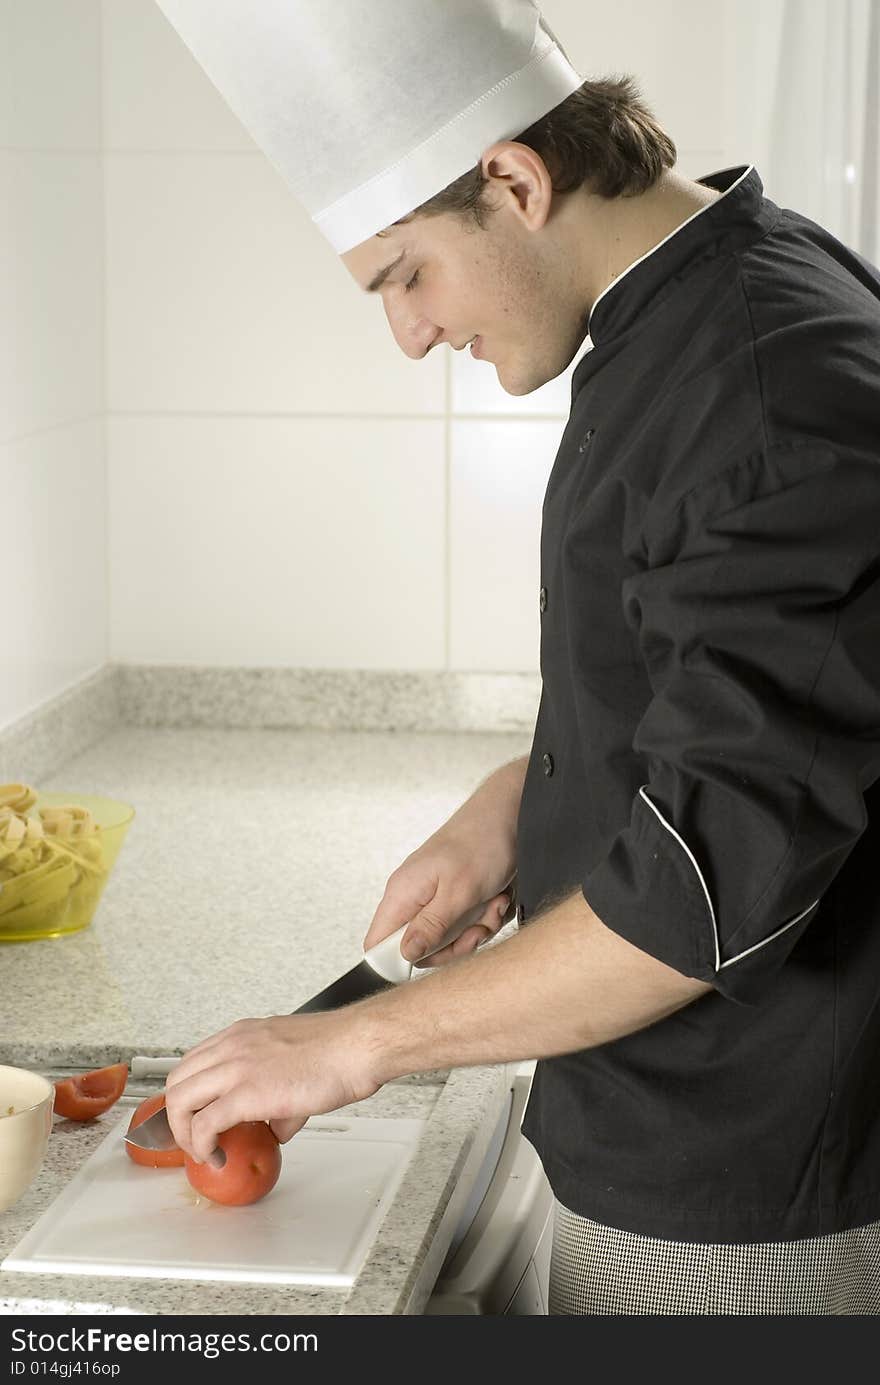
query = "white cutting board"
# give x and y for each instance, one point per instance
(338, 1177)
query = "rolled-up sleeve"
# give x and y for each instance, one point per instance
(758, 620)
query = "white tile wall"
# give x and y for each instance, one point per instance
(55, 564)
(673, 48)
(223, 298)
(754, 61)
(50, 67)
(155, 94)
(55, 250)
(382, 513)
(499, 473)
(225, 303)
(311, 543)
(7, 290)
(52, 468)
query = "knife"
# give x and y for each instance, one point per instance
(382, 967)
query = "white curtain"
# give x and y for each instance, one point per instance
(824, 137)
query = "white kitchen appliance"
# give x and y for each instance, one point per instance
(499, 1258)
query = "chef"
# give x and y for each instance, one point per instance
(693, 840)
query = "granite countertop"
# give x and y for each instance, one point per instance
(246, 883)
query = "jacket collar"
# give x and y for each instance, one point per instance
(739, 216)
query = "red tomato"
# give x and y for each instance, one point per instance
(152, 1158)
(87, 1095)
(253, 1164)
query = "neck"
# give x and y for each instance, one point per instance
(620, 230)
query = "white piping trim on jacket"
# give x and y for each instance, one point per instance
(755, 946)
(739, 956)
(684, 846)
(680, 227)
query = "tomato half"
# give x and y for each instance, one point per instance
(152, 1158)
(252, 1168)
(90, 1093)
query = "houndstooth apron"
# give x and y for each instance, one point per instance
(599, 1270)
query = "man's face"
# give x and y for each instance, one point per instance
(508, 284)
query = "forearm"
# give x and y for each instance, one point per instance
(497, 798)
(564, 983)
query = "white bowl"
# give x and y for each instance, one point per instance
(26, 1101)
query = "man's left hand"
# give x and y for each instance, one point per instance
(281, 1069)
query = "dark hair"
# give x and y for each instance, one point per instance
(603, 135)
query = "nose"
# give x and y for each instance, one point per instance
(414, 333)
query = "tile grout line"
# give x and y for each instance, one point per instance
(258, 416)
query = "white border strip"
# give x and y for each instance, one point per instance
(719, 965)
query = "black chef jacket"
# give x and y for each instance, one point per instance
(707, 750)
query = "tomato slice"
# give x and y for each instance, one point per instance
(252, 1168)
(88, 1094)
(152, 1158)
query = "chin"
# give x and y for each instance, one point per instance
(533, 374)
(523, 384)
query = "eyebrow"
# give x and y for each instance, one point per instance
(379, 279)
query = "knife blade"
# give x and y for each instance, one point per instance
(381, 968)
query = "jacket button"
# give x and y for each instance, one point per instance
(542, 601)
(547, 762)
(586, 440)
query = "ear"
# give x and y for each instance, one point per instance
(518, 179)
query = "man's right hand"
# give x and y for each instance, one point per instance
(461, 883)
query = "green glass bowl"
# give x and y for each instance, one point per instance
(61, 895)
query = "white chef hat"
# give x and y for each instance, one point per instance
(369, 107)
